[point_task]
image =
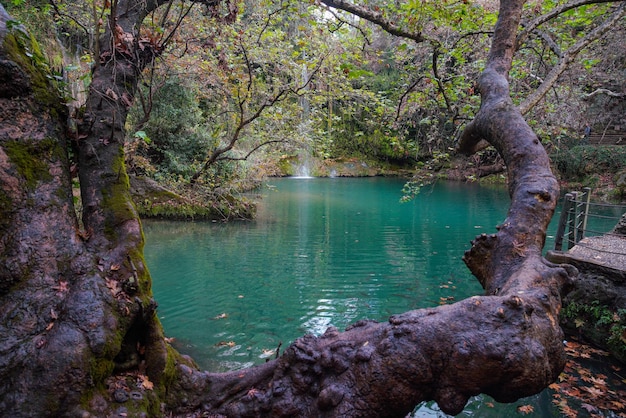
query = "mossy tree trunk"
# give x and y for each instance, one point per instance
(78, 333)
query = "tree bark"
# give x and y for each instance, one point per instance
(507, 344)
(78, 333)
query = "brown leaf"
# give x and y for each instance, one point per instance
(126, 100)
(113, 286)
(145, 382)
(525, 409)
(618, 405)
(111, 94)
(594, 391)
(61, 287)
(587, 407)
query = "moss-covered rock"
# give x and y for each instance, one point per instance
(155, 201)
(28, 64)
(30, 158)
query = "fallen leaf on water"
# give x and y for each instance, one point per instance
(225, 343)
(267, 353)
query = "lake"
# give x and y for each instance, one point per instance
(321, 252)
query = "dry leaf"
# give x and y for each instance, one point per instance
(145, 382)
(61, 287)
(113, 286)
(525, 409)
(111, 94)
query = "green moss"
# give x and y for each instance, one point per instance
(171, 371)
(31, 158)
(493, 179)
(286, 165)
(100, 368)
(25, 51)
(117, 201)
(609, 324)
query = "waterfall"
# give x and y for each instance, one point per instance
(303, 169)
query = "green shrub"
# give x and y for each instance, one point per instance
(581, 161)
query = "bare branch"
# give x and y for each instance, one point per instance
(568, 56)
(245, 121)
(436, 76)
(267, 23)
(375, 17)
(406, 93)
(530, 26)
(252, 151)
(604, 91)
(357, 27)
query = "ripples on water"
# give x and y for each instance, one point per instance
(322, 252)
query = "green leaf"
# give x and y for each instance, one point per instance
(143, 136)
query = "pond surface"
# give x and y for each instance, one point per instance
(321, 252)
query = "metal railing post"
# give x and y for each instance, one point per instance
(571, 224)
(580, 234)
(563, 220)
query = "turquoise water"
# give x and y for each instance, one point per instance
(321, 252)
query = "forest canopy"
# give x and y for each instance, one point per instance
(206, 96)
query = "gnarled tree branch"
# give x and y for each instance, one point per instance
(375, 17)
(507, 344)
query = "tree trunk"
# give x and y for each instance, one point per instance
(78, 333)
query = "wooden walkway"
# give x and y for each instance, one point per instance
(605, 252)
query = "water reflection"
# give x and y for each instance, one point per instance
(322, 252)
